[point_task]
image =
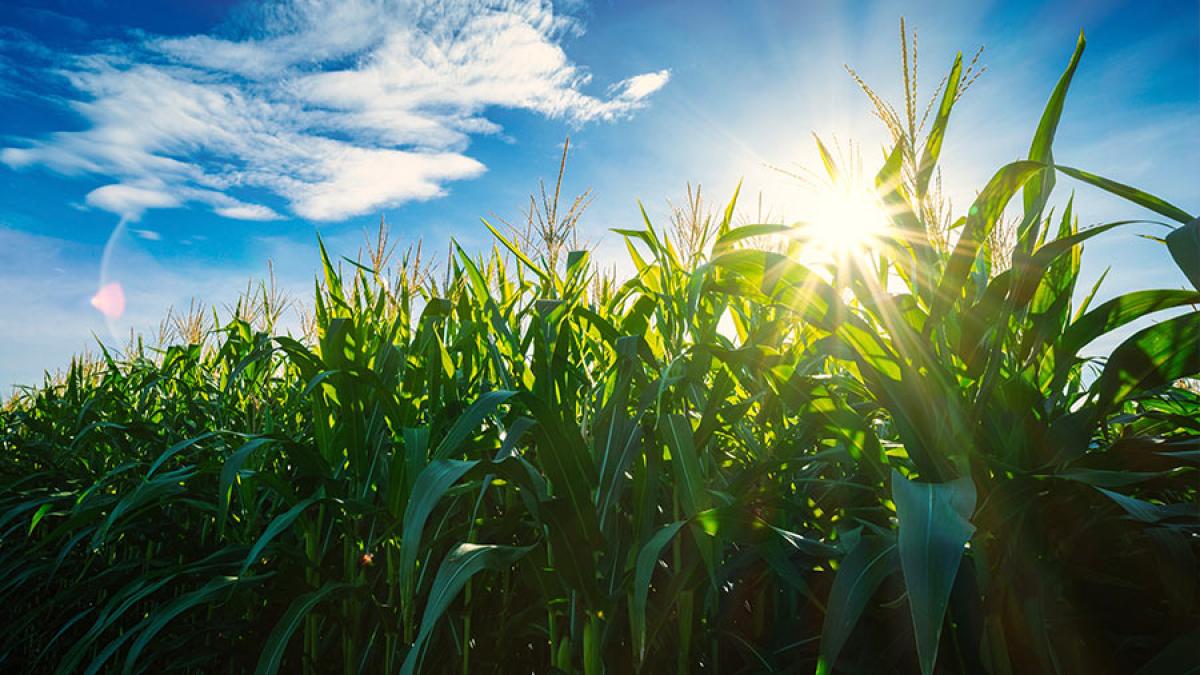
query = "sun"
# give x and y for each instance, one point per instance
(842, 220)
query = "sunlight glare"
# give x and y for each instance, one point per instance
(842, 220)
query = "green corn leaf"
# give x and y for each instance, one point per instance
(689, 475)
(934, 527)
(574, 552)
(281, 634)
(1031, 271)
(1086, 303)
(516, 251)
(981, 218)
(617, 436)
(727, 216)
(1037, 191)
(937, 133)
(431, 485)
(38, 515)
(1184, 245)
(1148, 512)
(1150, 358)
(229, 473)
(831, 167)
(727, 241)
(122, 601)
(1109, 478)
(1058, 280)
(1132, 194)
(157, 621)
(278, 525)
(647, 560)
(1117, 312)
(333, 282)
(456, 569)
(175, 449)
(864, 568)
(147, 492)
(470, 420)
(563, 456)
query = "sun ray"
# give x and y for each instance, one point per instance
(845, 219)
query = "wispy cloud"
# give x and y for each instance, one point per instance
(335, 107)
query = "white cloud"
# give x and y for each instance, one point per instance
(130, 201)
(246, 212)
(639, 87)
(337, 107)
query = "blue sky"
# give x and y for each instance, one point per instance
(196, 139)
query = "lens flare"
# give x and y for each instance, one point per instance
(110, 300)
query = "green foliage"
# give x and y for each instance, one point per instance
(731, 461)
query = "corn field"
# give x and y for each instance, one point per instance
(732, 461)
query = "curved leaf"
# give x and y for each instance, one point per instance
(934, 528)
(229, 472)
(272, 653)
(1184, 245)
(937, 133)
(430, 487)
(470, 420)
(458, 567)
(981, 218)
(167, 613)
(871, 561)
(1151, 358)
(1116, 313)
(643, 570)
(1037, 191)
(178, 447)
(280, 523)
(1132, 194)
